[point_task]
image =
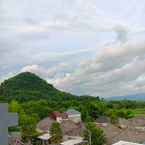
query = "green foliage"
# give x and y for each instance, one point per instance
(14, 106)
(41, 108)
(14, 129)
(125, 113)
(3, 99)
(85, 115)
(56, 133)
(36, 96)
(28, 124)
(114, 114)
(94, 135)
(129, 114)
(113, 117)
(138, 111)
(27, 86)
(33, 98)
(126, 104)
(96, 108)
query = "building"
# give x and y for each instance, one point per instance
(102, 121)
(59, 117)
(44, 125)
(44, 139)
(74, 115)
(74, 141)
(70, 114)
(126, 143)
(69, 127)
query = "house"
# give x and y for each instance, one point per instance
(44, 125)
(69, 127)
(126, 143)
(74, 115)
(75, 141)
(102, 121)
(70, 114)
(58, 116)
(44, 138)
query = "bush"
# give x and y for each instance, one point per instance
(56, 133)
(94, 135)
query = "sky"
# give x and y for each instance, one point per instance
(86, 47)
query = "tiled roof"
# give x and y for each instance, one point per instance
(72, 142)
(72, 112)
(102, 119)
(56, 114)
(69, 127)
(126, 143)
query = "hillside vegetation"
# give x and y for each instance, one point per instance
(27, 86)
(33, 98)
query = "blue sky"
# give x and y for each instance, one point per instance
(93, 47)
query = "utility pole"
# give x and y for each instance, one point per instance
(90, 137)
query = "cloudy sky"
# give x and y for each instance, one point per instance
(93, 47)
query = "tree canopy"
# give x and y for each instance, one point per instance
(56, 133)
(94, 135)
(33, 98)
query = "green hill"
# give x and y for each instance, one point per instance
(28, 86)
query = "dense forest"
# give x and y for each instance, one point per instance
(33, 98)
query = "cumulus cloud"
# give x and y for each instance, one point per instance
(78, 15)
(35, 69)
(121, 33)
(81, 46)
(60, 70)
(111, 73)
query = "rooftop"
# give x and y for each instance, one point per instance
(133, 131)
(126, 143)
(69, 127)
(102, 119)
(72, 112)
(46, 136)
(72, 142)
(56, 113)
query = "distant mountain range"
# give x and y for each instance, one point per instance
(128, 97)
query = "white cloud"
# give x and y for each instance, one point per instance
(75, 16)
(60, 70)
(54, 40)
(110, 73)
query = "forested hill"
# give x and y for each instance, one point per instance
(28, 86)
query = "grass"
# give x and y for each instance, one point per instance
(138, 112)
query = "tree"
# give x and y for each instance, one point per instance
(96, 108)
(28, 125)
(113, 116)
(94, 135)
(14, 106)
(40, 107)
(85, 115)
(56, 133)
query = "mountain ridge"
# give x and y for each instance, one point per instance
(27, 85)
(139, 96)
